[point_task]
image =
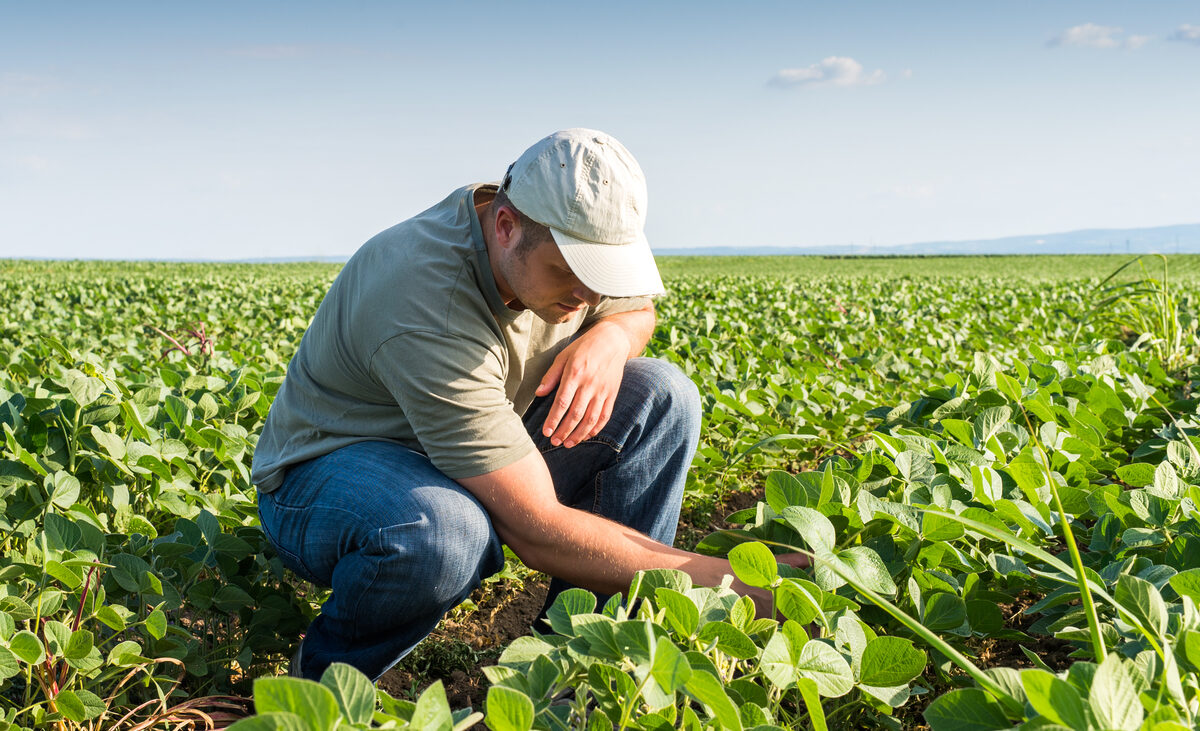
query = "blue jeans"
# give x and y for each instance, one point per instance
(401, 543)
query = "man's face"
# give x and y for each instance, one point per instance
(541, 281)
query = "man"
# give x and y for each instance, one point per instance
(472, 379)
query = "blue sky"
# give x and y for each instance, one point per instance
(242, 130)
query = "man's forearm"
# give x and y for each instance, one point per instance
(580, 547)
(636, 325)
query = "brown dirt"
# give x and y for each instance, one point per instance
(707, 515)
(463, 644)
(466, 642)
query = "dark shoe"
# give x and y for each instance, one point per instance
(294, 666)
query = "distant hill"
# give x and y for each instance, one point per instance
(1182, 239)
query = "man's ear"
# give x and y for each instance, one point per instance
(508, 227)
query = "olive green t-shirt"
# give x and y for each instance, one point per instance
(414, 345)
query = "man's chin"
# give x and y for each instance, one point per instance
(558, 314)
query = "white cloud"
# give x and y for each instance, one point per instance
(1186, 33)
(831, 71)
(1090, 35)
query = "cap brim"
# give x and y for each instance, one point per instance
(611, 270)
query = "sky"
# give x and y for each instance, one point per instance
(133, 130)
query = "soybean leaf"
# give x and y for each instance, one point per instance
(1114, 696)
(966, 709)
(754, 564)
(706, 689)
(8, 663)
(1055, 699)
(80, 705)
(433, 711)
(813, 527)
(670, 668)
(354, 692)
(310, 701)
(508, 710)
(682, 614)
(889, 661)
(826, 667)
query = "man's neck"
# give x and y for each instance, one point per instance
(487, 224)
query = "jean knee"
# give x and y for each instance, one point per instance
(445, 554)
(674, 396)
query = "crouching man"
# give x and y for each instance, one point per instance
(471, 379)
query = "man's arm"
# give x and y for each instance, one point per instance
(580, 547)
(587, 374)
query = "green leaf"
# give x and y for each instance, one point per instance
(125, 653)
(111, 618)
(754, 564)
(812, 702)
(795, 603)
(813, 527)
(79, 706)
(433, 711)
(1143, 601)
(709, 691)
(1055, 699)
(783, 490)
(111, 443)
(730, 640)
(868, 568)
(936, 528)
(944, 611)
(682, 614)
(84, 389)
(68, 577)
(776, 662)
(889, 661)
(310, 701)
(354, 692)
(1114, 697)
(79, 645)
(1008, 386)
(63, 488)
(28, 647)
(670, 668)
(1137, 474)
(274, 721)
(508, 710)
(826, 667)
(569, 603)
(966, 709)
(1187, 583)
(156, 624)
(8, 663)
(988, 422)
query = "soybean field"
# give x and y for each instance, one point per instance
(992, 462)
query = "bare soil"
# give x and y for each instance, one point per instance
(463, 644)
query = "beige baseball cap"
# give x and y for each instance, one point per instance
(589, 191)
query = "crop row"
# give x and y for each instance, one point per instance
(926, 429)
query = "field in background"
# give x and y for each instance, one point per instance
(851, 397)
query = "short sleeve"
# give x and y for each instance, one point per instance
(451, 390)
(613, 305)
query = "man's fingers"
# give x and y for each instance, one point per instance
(571, 419)
(550, 380)
(591, 424)
(558, 409)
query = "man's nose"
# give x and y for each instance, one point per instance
(586, 295)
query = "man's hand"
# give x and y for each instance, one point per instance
(587, 374)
